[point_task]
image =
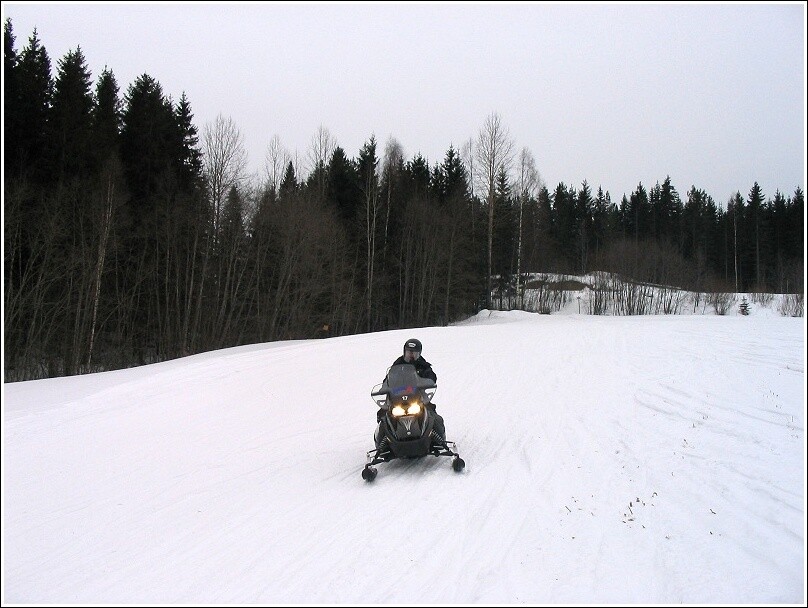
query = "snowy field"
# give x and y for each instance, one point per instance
(627, 460)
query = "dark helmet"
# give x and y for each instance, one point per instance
(412, 349)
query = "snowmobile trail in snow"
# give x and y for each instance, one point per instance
(596, 447)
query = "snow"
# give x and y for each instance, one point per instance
(627, 460)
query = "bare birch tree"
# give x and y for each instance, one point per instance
(392, 163)
(111, 200)
(275, 161)
(224, 167)
(225, 162)
(371, 202)
(467, 155)
(494, 153)
(320, 150)
(528, 182)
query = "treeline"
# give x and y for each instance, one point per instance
(654, 235)
(130, 237)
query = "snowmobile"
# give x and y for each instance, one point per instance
(405, 430)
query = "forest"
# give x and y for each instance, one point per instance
(132, 236)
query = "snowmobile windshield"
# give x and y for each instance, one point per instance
(403, 380)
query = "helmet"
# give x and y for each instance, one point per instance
(412, 350)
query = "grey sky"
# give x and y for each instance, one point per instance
(616, 94)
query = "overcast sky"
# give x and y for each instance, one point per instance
(615, 94)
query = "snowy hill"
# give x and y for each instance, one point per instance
(643, 459)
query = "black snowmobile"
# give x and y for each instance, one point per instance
(405, 431)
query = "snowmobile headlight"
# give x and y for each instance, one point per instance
(414, 409)
(398, 411)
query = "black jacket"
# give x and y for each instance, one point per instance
(422, 367)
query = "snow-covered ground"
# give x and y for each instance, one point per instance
(626, 460)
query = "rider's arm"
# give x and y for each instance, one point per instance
(427, 372)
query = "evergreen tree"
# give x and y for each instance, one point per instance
(189, 154)
(151, 142)
(35, 88)
(289, 184)
(343, 187)
(711, 243)
(566, 228)
(420, 177)
(583, 215)
(739, 241)
(106, 117)
(455, 183)
(371, 225)
(232, 220)
(669, 212)
(795, 214)
(148, 139)
(638, 215)
(543, 231)
(464, 266)
(70, 124)
(505, 233)
(11, 102)
(755, 230)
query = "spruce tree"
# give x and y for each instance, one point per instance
(11, 103)
(343, 188)
(107, 117)
(455, 177)
(289, 184)
(505, 234)
(189, 154)
(148, 143)
(419, 177)
(755, 203)
(35, 88)
(70, 126)
(583, 215)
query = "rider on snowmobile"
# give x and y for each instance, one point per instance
(412, 355)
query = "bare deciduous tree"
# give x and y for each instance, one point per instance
(527, 183)
(225, 162)
(320, 150)
(392, 163)
(467, 156)
(494, 154)
(369, 186)
(275, 161)
(111, 200)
